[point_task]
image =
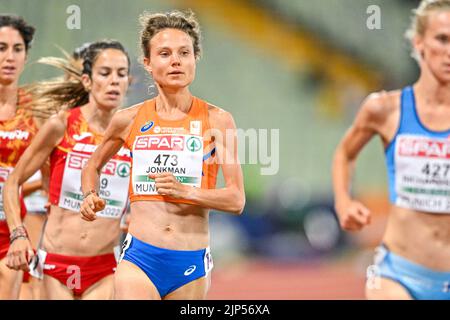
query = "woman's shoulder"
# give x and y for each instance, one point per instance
(124, 118)
(219, 117)
(131, 111)
(56, 123)
(382, 103)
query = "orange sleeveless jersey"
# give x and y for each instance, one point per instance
(177, 146)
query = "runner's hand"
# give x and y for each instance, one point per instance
(91, 204)
(353, 215)
(19, 254)
(167, 185)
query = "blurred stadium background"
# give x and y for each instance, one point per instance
(299, 66)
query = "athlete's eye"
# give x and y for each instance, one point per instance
(2, 48)
(442, 38)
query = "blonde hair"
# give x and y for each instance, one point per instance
(152, 23)
(419, 19)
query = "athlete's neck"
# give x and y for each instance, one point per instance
(433, 92)
(98, 118)
(8, 96)
(173, 102)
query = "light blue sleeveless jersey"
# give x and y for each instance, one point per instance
(418, 162)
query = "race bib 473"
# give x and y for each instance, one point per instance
(182, 155)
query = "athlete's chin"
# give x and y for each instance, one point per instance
(175, 85)
(7, 80)
(444, 78)
(110, 105)
(441, 73)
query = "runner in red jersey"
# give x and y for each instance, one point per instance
(77, 258)
(17, 128)
(37, 202)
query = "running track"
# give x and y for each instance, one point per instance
(275, 281)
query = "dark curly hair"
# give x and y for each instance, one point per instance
(18, 23)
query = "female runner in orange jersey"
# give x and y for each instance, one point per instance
(178, 142)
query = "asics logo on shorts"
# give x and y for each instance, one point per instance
(126, 244)
(190, 270)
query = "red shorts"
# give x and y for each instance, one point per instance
(4, 237)
(26, 277)
(78, 273)
(4, 245)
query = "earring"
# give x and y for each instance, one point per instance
(151, 90)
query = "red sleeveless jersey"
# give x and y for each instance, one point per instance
(70, 156)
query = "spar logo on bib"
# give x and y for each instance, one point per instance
(147, 126)
(160, 143)
(78, 161)
(193, 144)
(424, 147)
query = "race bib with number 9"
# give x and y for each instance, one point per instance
(114, 182)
